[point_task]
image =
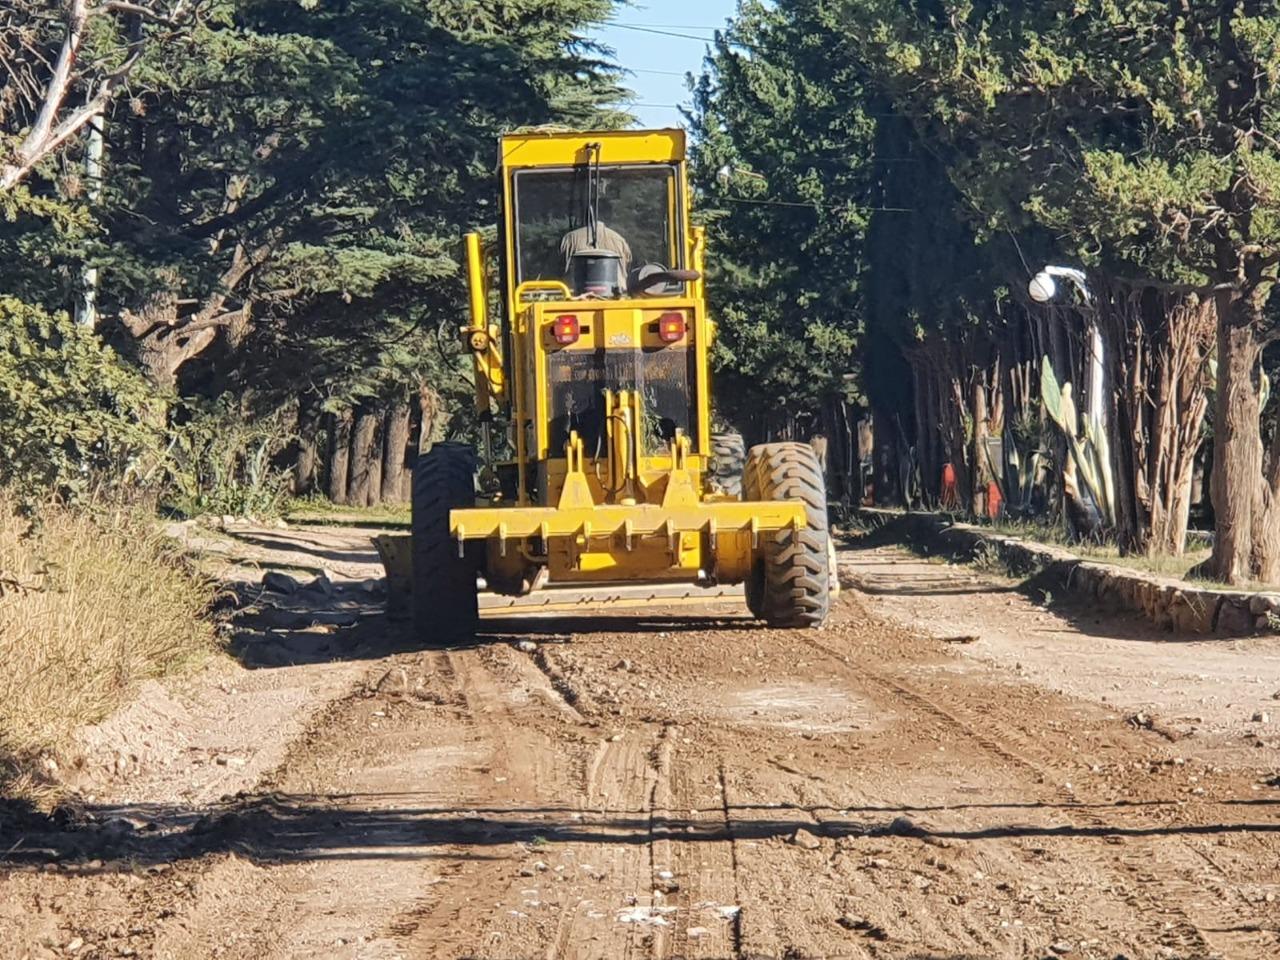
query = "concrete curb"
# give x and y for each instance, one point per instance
(1174, 605)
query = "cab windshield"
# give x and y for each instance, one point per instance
(635, 202)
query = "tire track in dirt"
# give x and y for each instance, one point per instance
(585, 888)
(625, 786)
(697, 862)
(310, 875)
(678, 901)
(507, 709)
(367, 802)
(1164, 892)
(1170, 923)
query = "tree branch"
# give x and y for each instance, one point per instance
(48, 132)
(77, 16)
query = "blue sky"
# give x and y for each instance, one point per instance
(650, 38)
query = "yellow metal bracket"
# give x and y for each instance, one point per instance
(681, 491)
(557, 287)
(481, 338)
(577, 515)
(576, 493)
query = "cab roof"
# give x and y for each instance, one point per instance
(553, 148)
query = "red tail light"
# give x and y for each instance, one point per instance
(566, 330)
(671, 327)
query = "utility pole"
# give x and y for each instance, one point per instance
(87, 306)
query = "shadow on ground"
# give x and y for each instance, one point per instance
(507, 629)
(960, 573)
(281, 828)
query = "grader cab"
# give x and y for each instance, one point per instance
(597, 365)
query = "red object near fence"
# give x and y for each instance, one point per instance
(994, 500)
(950, 492)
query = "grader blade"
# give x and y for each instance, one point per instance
(606, 598)
(396, 555)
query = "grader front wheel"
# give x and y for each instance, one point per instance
(790, 585)
(445, 601)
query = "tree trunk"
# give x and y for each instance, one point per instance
(1246, 543)
(884, 458)
(952, 402)
(339, 455)
(406, 482)
(362, 446)
(374, 496)
(981, 473)
(926, 434)
(1157, 346)
(395, 434)
(411, 453)
(304, 469)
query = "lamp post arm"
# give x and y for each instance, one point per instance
(1077, 278)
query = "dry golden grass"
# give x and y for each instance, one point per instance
(90, 604)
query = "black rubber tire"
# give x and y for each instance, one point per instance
(754, 585)
(791, 583)
(728, 459)
(446, 606)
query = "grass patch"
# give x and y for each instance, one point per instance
(1162, 564)
(91, 604)
(319, 511)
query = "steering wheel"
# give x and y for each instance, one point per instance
(643, 279)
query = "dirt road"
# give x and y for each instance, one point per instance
(690, 784)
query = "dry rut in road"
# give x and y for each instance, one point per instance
(695, 785)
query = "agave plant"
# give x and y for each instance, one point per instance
(1090, 461)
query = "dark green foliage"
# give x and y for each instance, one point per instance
(1121, 127)
(74, 418)
(221, 460)
(782, 173)
(838, 242)
(1144, 136)
(284, 196)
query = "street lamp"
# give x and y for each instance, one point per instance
(728, 172)
(1043, 288)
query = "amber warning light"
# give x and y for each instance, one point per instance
(671, 327)
(566, 330)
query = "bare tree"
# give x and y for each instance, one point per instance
(53, 85)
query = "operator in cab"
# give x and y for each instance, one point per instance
(597, 258)
(606, 238)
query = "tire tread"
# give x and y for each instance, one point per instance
(445, 598)
(790, 585)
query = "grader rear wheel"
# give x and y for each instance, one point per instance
(754, 586)
(790, 585)
(445, 601)
(728, 457)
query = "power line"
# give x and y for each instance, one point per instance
(664, 26)
(811, 206)
(662, 33)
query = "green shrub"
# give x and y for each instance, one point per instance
(221, 461)
(74, 417)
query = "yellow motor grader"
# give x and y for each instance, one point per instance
(598, 364)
